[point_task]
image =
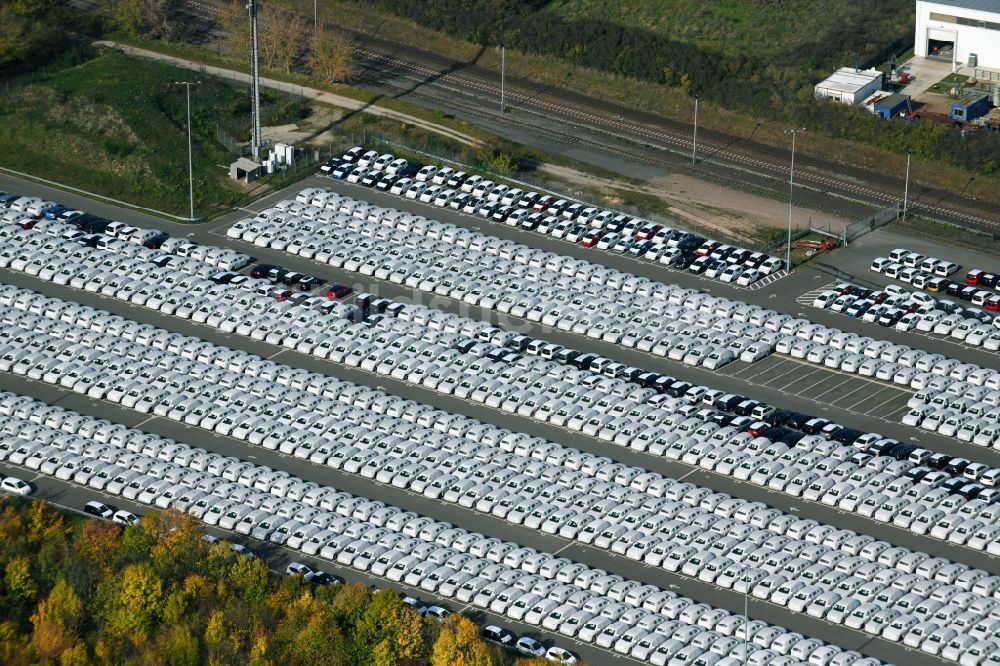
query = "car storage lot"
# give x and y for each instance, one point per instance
(774, 385)
(74, 496)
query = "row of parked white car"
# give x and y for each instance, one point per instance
(270, 505)
(469, 488)
(907, 311)
(564, 219)
(616, 411)
(350, 234)
(549, 289)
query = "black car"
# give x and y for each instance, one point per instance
(722, 419)
(846, 436)
(566, 355)
(681, 261)
(797, 420)
(341, 171)
(330, 165)
(647, 379)
(7, 199)
(503, 212)
(813, 426)
(745, 407)
(988, 280)
(156, 242)
(727, 403)
(261, 270)
(776, 433)
(957, 466)
(792, 438)
(678, 388)
(939, 460)
(971, 491)
(386, 182)
(324, 578)
(584, 361)
(662, 383)
(520, 342)
(276, 273)
(954, 288)
(778, 417)
(953, 485)
(900, 451)
(916, 473)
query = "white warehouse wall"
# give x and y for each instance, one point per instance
(984, 42)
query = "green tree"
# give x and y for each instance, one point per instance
(57, 621)
(19, 584)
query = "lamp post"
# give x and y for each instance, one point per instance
(906, 188)
(503, 75)
(791, 191)
(694, 141)
(746, 613)
(187, 85)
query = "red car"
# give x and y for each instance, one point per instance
(759, 428)
(543, 203)
(337, 291)
(590, 238)
(973, 277)
(707, 248)
(648, 231)
(992, 304)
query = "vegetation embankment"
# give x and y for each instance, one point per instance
(79, 591)
(758, 85)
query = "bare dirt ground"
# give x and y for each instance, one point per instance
(710, 206)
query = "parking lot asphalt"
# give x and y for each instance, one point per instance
(566, 437)
(468, 519)
(72, 496)
(850, 263)
(777, 294)
(864, 404)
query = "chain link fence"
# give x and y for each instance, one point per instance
(872, 222)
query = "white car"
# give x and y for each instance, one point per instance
(560, 655)
(16, 486)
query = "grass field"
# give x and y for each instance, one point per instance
(118, 126)
(777, 31)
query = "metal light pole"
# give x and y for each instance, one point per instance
(694, 142)
(187, 85)
(503, 76)
(906, 188)
(746, 613)
(791, 191)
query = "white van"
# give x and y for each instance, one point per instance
(879, 264)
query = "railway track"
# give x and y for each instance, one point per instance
(436, 79)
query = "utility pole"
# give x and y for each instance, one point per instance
(694, 142)
(791, 191)
(906, 188)
(187, 85)
(503, 76)
(254, 80)
(746, 615)
(315, 20)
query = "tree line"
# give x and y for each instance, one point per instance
(83, 591)
(777, 90)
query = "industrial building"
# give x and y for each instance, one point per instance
(963, 32)
(849, 85)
